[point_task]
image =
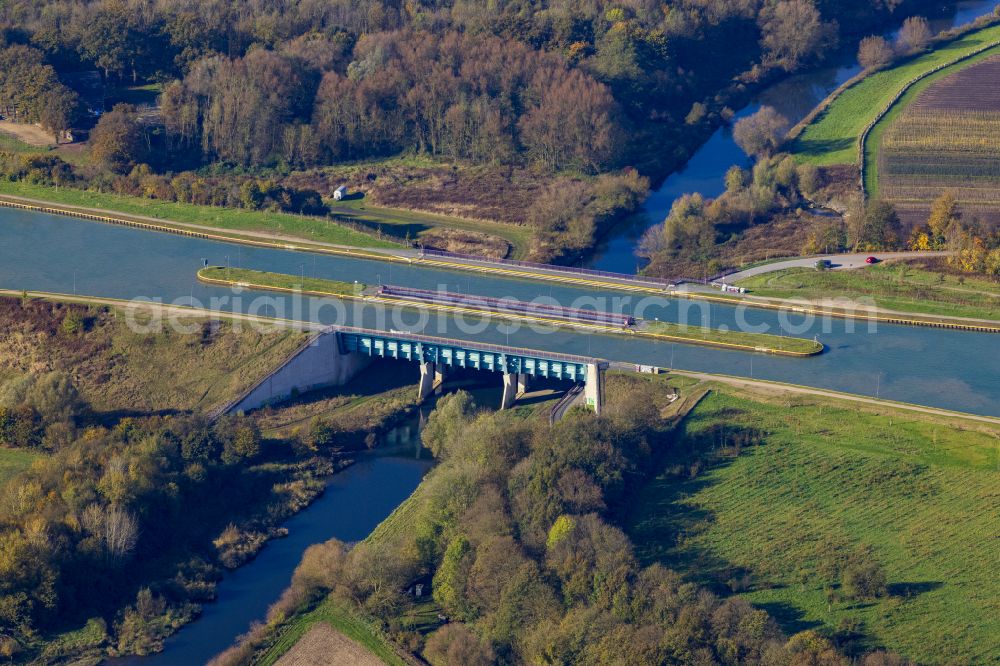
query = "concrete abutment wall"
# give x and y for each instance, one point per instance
(318, 364)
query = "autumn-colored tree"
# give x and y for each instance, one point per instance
(30, 91)
(456, 644)
(944, 214)
(793, 31)
(59, 111)
(875, 227)
(760, 134)
(118, 140)
(574, 124)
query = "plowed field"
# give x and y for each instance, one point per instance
(947, 139)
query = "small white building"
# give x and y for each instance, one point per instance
(340, 193)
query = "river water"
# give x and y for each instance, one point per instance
(705, 172)
(354, 502)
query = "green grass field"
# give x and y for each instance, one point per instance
(280, 281)
(226, 219)
(341, 619)
(893, 286)
(11, 144)
(15, 461)
(763, 341)
(403, 223)
(921, 493)
(832, 138)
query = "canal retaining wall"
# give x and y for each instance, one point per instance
(317, 364)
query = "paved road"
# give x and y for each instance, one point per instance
(837, 262)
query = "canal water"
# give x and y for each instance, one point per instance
(936, 367)
(705, 172)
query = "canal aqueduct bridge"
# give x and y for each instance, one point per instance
(335, 355)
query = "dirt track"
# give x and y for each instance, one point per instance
(33, 135)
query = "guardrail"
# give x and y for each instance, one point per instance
(475, 346)
(560, 407)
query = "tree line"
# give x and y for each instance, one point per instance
(459, 96)
(31, 92)
(577, 85)
(86, 526)
(975, 247)
(515, 533)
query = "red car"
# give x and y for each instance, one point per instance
(871, 260)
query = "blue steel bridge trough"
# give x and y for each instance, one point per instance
(437, 355)
(336, 355)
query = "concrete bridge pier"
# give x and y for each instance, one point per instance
(594, 390)
(510, 383)
(514, 384)
(440, 373)
(428, 377)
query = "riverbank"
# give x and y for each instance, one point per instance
(917, 460)
(386, 253)
(245, 223)
(141, 399)
(667, 331)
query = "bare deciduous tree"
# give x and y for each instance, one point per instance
(114, 526)
(874, 52)
(915, 35)
(793, 31)
(760, 134)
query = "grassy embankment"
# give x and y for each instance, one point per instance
(825, 480)
(278, 281)
(756, 341)
(394, 223)
(412, 224)
(832, 138)
(659, 330)
(15, 461)
(116, 368)
(11, 144)
(340, 618)
(230, 220)
(892, 286)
